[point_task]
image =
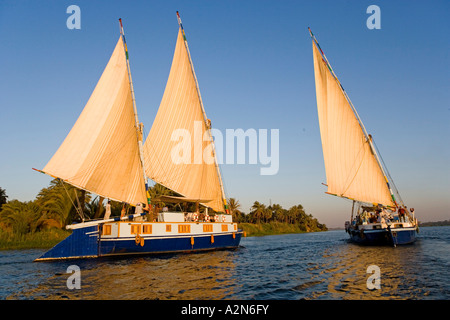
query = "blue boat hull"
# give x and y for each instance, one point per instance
(85, 243)
(383, 236)
(152, 245)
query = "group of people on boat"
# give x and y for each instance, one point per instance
(141, 208)
(385, 215)
(200, 217)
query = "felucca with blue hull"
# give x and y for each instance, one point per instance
(104, 153)
(354, 167)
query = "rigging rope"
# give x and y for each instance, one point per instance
(387, 173)
(70, 198)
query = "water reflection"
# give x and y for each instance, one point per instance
(288, 267)
(183, 276)
(347, 272)
(328, 266)
(405, 272)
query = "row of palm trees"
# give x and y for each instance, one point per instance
(53, 207)
(61, 204)
(260, 213)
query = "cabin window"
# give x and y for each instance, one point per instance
(106, 230)
(224, 227)
(207, 228)
(147, 228)
(135, 228)
(184, 228)
(168, 228)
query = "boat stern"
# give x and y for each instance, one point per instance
(378, 234)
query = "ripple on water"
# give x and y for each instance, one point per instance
(299, 266)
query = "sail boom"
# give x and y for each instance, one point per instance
(174, 199)
(80, 187)
(182, 196)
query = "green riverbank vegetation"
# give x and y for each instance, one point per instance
(41, 223)
(274, 219)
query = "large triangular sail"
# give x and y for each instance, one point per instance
(100, 154)
(178, 153)
(352, 169)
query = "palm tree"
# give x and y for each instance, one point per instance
(159, 190)
(258, 210)
(234, 206)
(99, 208)
(92, 207)
(21, 217)
(277, 212)
(267, 214)
(3, 197)
(58, 201)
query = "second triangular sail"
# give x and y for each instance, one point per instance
(179, 127)
(351, 168)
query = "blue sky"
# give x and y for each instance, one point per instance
(254, 64)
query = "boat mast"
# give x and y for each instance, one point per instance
(205, 119)
(366, 135)
(139, 128)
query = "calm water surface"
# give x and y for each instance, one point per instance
(289, 267)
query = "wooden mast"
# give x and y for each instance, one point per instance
(139, 128)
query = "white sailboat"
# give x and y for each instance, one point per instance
(104, 153)
(354, 168)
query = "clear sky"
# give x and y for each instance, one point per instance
(254, 64)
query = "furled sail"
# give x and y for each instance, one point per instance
(100, 154)
(352, 170)
(177, 152)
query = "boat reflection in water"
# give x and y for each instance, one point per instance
(372, 272)
(311, 266)
(181, 276)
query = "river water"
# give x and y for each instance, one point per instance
(283, 267)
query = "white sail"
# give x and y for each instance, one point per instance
(352, 169)
(181, 111)
(100, 154)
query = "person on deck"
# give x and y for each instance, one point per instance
(138, 210)
(124, 211)
(108, 210)
(364, 216)
(401, 214)
(384, 216)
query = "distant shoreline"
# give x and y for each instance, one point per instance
(274, 228)
(434, 223)
(49, 238)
